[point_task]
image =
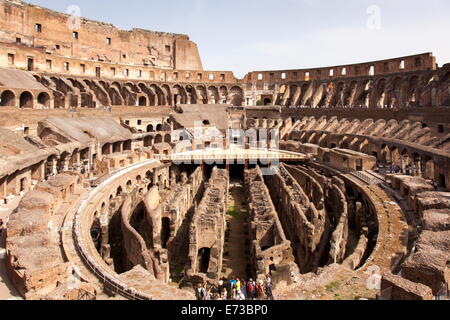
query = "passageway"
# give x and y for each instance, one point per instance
(236, 261)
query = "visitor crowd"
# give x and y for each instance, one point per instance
(236, 289)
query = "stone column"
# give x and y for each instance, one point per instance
(419, 167)
(402, 164)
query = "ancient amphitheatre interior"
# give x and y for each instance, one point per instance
(108, 188)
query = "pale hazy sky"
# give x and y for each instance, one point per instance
(250, 35)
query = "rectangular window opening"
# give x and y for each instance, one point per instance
(10, 59)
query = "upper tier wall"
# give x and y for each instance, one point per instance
(419, 62)
(57, 34)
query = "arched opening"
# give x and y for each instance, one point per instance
(127, 145)
(150, 128)
(142, 101)
(148, 141)
(119, 192)
(158, 138)
(159, 127)
(237, 96)
(204, 256)
(129, 185)
(385, 154)
(165, 232)
(106, 149)
(44, 99)
(8, 99)
(26, 100)
(168, 138)
(267, 101)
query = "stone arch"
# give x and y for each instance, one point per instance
(26, 100)
(223, 95)
(160, 99)
(385, 154)
(44, 99)
(213, 95)
(149, 92)
(344, 144)
(267, 101)
(191, 94)
(158, 138)
(167, 95)
(380, 94)
(148, 141)
(337, 98)
(8, 99)
(115, 96)
(167, 138)
(179, 95)
(202, 94)
(150, 128)
(236, 96)
(142, 101)
(395, 156)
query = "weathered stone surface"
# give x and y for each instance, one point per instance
(403, 289)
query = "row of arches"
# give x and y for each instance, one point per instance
(383, 92)
(407, 159)
(74, 92)
(25, 99)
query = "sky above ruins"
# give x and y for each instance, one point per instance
(251, 35)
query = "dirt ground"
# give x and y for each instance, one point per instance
(236, 249)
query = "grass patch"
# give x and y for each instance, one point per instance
(333, 286)
(232, 212)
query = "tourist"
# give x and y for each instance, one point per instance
(244, 290)
(251, 290)
(268, 287)
(207, 291)
(1, 226)
(232, 289)
(200, 292)
(238, 285)
(223, 294)
(260, 289)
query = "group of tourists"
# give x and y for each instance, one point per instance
(236, 289)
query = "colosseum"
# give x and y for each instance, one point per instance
(128, 172)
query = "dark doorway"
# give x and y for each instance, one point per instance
(203, 260)
(8, 99)
(165, 232)
(30, 64)
(23, 184)
(142, 101)
(442, 181)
